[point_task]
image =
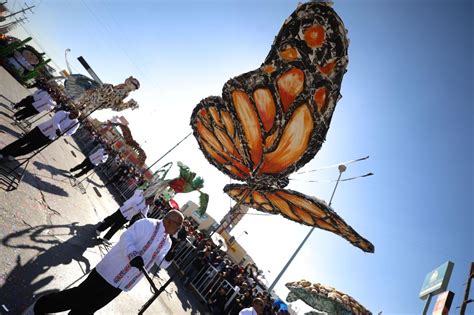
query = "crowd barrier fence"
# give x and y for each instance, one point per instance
(206, 281)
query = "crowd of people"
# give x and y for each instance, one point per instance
(115, 273)
(139, 247)
(244, 279)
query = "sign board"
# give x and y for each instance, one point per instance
(437, 280)
(443, 303)
(198, 217)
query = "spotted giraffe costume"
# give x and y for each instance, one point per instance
(106, 96)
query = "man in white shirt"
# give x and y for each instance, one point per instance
(39, 102)
(44, 133)
(256, 309)
(131, 207)
(95, 158)
(146, 241)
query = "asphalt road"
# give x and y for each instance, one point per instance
(47, 228)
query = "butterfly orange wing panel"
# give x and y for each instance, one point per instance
(300, 208)
(271, 121)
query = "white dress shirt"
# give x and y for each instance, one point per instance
(43, 101)
(59, 121)
(98, 157)
(20, 62)
(136, 204)
(145, 238)
(248, 311)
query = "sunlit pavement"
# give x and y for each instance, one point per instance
(47, 229)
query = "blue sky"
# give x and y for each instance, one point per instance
(407, 102)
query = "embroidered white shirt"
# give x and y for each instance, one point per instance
(136, 204)
(59, 121)
(43, 101)
(98, 157)
(145, 238)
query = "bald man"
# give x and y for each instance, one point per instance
(146, 241)
(256, 308)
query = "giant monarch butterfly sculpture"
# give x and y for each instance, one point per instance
(271, 121)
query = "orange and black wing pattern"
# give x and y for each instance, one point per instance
(297, 207)
(271, 121)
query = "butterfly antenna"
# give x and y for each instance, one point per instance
(335, 165)
(332, 181)
(250, 213)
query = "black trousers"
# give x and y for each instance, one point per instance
(91, 295)
(25, 112)
(115, 221)
(33, 140)
(85, 167)
(25, 102)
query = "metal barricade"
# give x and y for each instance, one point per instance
(155, 213)
(108, 168)
(207, 281)
(184, 256)
(126, 188)
(84, 139)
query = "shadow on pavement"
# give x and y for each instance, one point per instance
(6, 115)
(6, 106)
(42, 185)
(187, 296)
(7, 177)
(72, 145)
(24, 281)
(85, 179)
(93, 182)
(6, 99)
(51, 169)
(4, 129)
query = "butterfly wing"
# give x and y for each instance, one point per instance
(298, 207)
(273, 120)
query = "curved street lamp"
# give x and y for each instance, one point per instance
(65, 58)
(342, 168)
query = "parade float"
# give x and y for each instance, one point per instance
(22, 61)
(324, 299)
(271, 121)
(186, 182)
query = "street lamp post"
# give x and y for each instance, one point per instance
(342, 168)
(244, 232)
(233, 240)
(65, 59)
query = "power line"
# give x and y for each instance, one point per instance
(132, 60)
(108, 29)
(331, 181)
(112, 38)
(334, 165)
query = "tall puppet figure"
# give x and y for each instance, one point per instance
(109, 96)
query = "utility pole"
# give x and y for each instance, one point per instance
(9, 26)
(3, 18)
(20, 20)
(468, 288)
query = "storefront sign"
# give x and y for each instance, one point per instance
(437, 280)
